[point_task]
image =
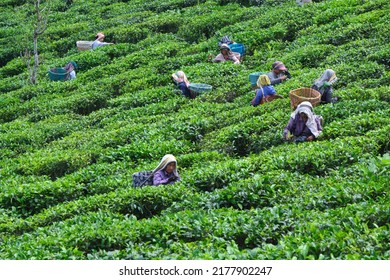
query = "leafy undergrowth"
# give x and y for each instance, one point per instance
(69, 149)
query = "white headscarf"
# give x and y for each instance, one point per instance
(306, 108)
(306, 104)
(328, 76)
(181, 77)
(180, 74)
(167, 159)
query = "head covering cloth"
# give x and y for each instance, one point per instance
(307, 108)
(263, 80)
(180, 74)
(224, 47)
(278, 65)
(167, 159)
(70, 66)
(328, 76)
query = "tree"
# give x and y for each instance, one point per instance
(39, 27)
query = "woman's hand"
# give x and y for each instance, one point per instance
(287, 136)
(172, 179)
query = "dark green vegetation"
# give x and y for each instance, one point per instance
(68, 149)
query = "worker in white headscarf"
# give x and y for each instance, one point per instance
(304, 125)
(324, 85)
(181, 81)
(166, 171)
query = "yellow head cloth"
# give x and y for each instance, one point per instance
(263, 80)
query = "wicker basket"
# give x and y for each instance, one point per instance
(199, 88)
(304, 94)
(84, 45)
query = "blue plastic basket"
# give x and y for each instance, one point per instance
(199, 88)
(237, 47)
(58, 74)
(253, 77)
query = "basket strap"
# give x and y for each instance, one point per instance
(262, 93)
(143, 183)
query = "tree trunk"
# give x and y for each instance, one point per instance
(39, 28)
(34, 74)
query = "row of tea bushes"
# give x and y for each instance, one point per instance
(268, 233)
(68, 150)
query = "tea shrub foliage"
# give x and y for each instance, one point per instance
(68, 149)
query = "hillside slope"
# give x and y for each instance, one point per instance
(69, 149)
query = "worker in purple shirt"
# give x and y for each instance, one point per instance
(166, 171)
(304, 125)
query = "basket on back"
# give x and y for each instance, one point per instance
(58, 74)
(199, 88)
(238, 48)
(84, 45)
(304, 94)
(143, 178)
(253, 77)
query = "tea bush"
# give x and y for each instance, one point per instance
(69, 149)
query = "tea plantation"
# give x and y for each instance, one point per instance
(68, 149)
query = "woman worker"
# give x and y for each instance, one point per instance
(304, 125)
(166, 171)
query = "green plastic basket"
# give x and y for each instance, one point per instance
(253, 78)
(58, 74)
(199, 88)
